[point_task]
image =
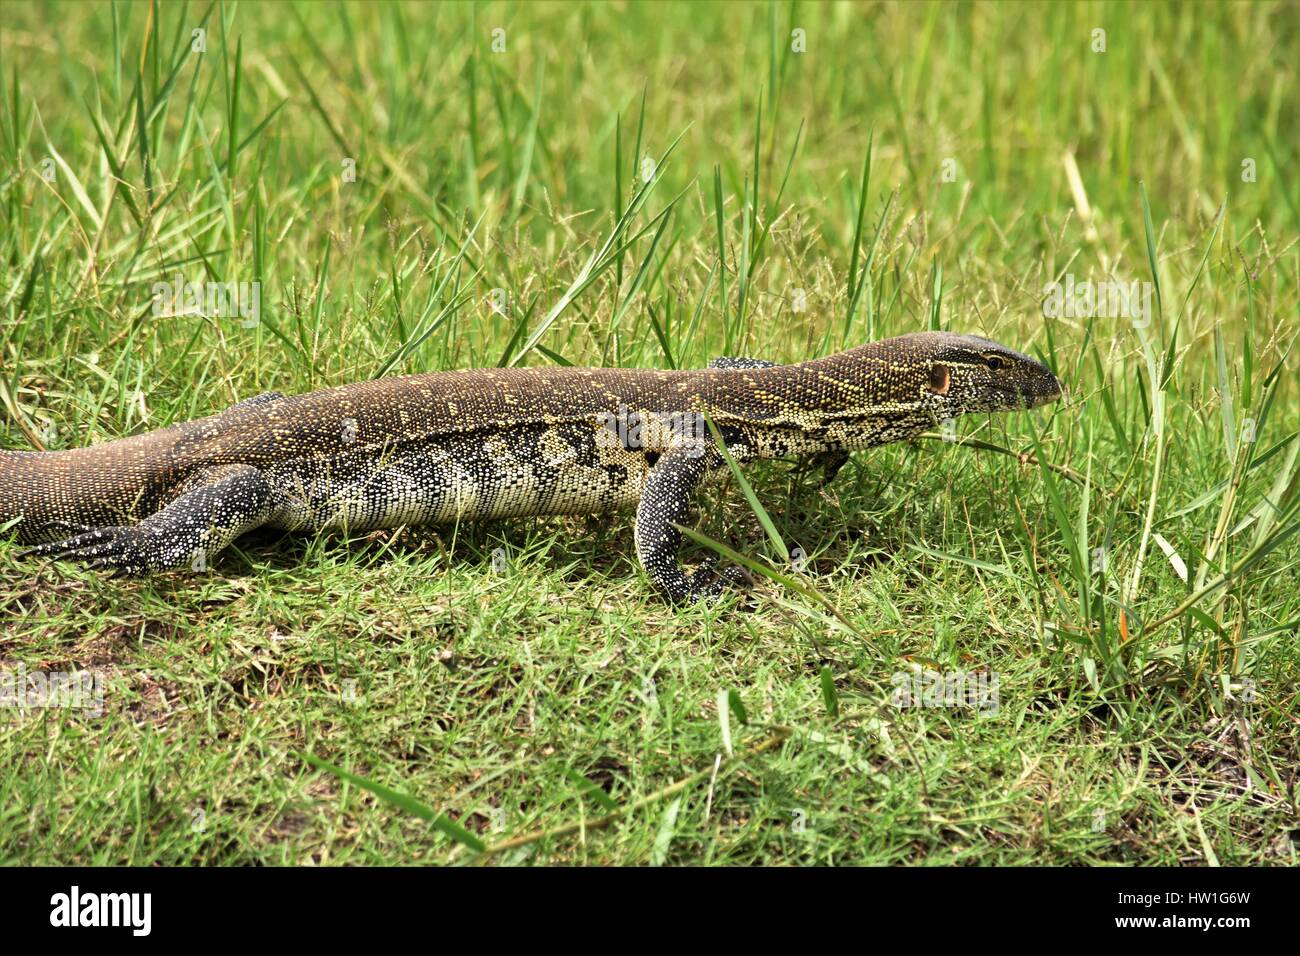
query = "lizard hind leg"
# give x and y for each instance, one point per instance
(209, 511)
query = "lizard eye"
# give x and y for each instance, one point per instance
(996, 361)
(940, 379)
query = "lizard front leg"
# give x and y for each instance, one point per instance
(829, 462)
(665, 502)
(212, 510)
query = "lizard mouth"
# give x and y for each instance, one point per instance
(1043, 392)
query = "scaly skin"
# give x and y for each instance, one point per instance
(491, 443)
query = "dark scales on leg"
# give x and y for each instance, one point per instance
(211, 510)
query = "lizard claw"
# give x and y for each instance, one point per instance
(65, 546)
(123, 549)
(117, 570)
(732, 576)
(828, 463)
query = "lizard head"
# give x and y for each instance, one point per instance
(966, 373)
(900, 387)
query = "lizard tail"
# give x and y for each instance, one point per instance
(49, 492)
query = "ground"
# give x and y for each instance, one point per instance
(1106, 586)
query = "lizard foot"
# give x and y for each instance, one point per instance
(125, 549)
(216, 507)
(828, 463)
(708, 584)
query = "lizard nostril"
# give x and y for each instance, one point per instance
(1049, 391)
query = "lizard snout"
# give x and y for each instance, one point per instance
(1043, 390)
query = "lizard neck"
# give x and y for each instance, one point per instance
(845, 402)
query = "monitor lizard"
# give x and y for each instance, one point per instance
(495, 443)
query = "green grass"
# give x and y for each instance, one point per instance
(418, 696)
